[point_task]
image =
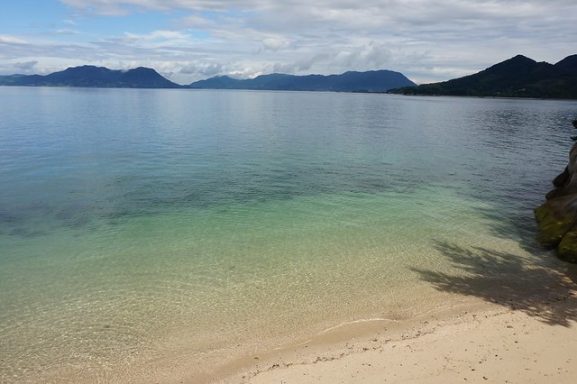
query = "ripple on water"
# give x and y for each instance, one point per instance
(178, 226)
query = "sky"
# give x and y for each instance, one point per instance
(189, 40)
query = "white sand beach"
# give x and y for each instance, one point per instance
(503, 342)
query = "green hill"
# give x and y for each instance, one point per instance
(369, 81)
(92, 76)
(519, 76)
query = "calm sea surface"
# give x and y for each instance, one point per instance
(148, 227)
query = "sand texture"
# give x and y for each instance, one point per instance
(534, 341)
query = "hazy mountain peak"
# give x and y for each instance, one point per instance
(93, 76)
(370, 81)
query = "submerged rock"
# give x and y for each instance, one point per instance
(557, 217)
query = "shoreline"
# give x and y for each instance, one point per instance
(474, 341)
(483, 293)
(471, 346)
(338, 342)
(506, 336)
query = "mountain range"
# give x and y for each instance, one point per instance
(519, 76)
(91, 76)
(370, 81)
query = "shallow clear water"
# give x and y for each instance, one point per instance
(141, 225)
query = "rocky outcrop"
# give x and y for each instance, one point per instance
(557, 217)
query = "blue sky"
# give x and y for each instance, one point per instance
(53, 18)
(187, 40)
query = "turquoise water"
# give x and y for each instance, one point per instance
(145, 229)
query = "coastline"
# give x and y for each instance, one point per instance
(470, 340)
(162, 288)
(508, 331)
(493, 345)
(512, 320)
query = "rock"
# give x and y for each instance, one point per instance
(557, 217)
(567, 249)
(562, 179)
(553, 222)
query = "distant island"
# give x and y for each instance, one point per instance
(92, 76)
(370, 81)
(519, 76)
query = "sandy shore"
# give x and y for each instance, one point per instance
(533, 340)
(506, 319)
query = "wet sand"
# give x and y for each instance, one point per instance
(477, 341)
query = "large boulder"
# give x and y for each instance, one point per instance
(557, 217)
(567, 249)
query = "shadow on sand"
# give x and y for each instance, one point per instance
(546, 292)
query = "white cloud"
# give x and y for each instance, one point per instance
(19, 67)
(428, 40)
(26, 66)
(275, 43)
(66, 31)
(7, 39)
(158, 35)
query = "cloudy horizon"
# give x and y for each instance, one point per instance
(189, 40)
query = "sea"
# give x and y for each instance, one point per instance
(147, 232)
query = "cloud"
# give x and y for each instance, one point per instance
(7, 39)
(158, 35)
(202, 68)
(275, 43)
(18, 67)
(26, 66)
(66, 31)
(428, 40)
